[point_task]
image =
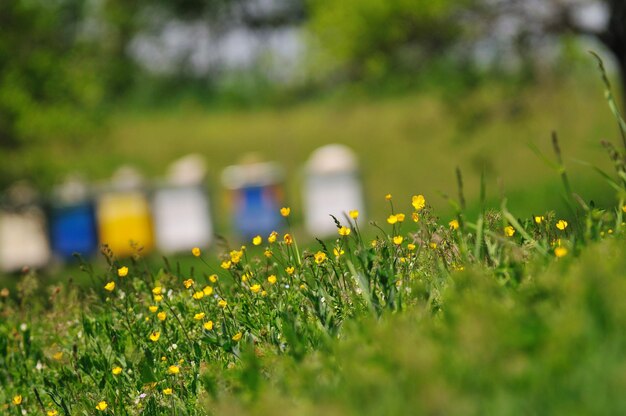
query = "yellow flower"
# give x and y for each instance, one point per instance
(418, 202)
(397, 240)
(199, 316)
(561, 225)
(344, 231)
(208, 290)
(285, 211)
(509, 231)
(116, 371)
(374, 243)
(208, 325)
(245, 277)
(173, 369)
(17, 399)
(264, 293)
(267, 253)
(290, 270)
(157, 290)
(102, 406)
(560, 252)
(153, 308)
(222, 303)
(320, 257)
(388, 197)
(415, 216)
(52, 412)
(454, 224)
(539, 219)
(354, 214)
(110, 286)
(272, 237)
(433, 245)
(235, 256)
(213, 278)
(410, 246)
(188, 283)
(161, 315)
(255, 288)
(624, 208)
(58, 356)
(122, 271)
(167, 391)
(154, 337)
(226, 264)
(400, 217)
(198, 295)
(338, 252)
(288, 239)
(392, 219)
(196, 251)
(237, 336)
(272, 279)
(257, 240)
(158, 298)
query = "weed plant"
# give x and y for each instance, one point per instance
(496, 314)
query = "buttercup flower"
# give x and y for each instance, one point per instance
(354, 214)
(415, 217)
(222, 303)
(418, 202)
(397, 240)
(509, 231)
(290, 270)
(52, 412)
(173, 369)
(288, 239)
(157, 290)
(237, 336)
(167, 391)
(539, 219)
(255, 288)
(454, 224)
(272, 279)
(320, 257)
(400, 217)
(110, 286)
(561, 225)
(198, 295)
(257, 240)
(208, 290)
(154, 336)
(199, 316)
(196, 251)
(188, 283)
(226, 264)
(392, 219)
(272, 237)
(122, 271)
(344, 231)
(161, 315)
(338, 252)
(285, 211)
(116, 370)
(153, 308)
(102, 406)
(208, 325)
(213, 278)
(560, 252)
(388, 197)
(17, 399)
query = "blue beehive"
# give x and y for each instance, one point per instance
(72, 221)
(256, 190)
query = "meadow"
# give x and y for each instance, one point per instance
(510, 303)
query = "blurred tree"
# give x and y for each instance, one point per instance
(48, 81)
(370, 38)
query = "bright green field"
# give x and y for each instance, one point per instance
(406, 145)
